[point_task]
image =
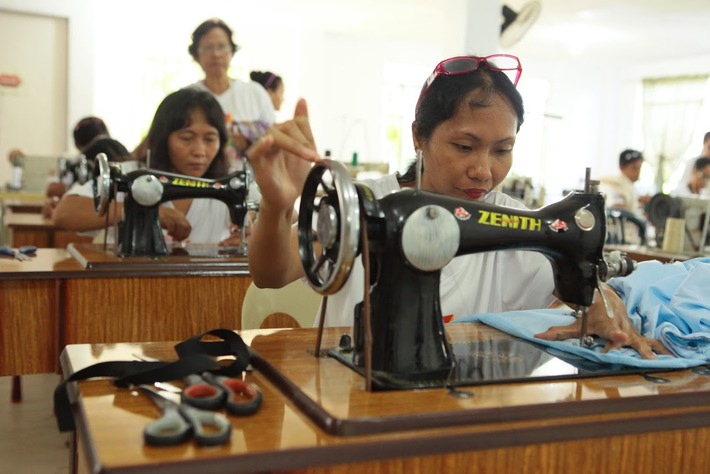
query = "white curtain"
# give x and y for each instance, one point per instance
(671, 107)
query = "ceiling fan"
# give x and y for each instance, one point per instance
(516, 24)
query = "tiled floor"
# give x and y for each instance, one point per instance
(29, 439)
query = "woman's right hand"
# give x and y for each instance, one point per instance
(281, 160)
(175, 223)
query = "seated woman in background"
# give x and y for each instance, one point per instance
(187, 137)
(114, 150)
(273, 84)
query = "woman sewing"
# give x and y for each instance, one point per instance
(187, 137)
(466, 121)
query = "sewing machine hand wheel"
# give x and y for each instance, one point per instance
(328, 251)
(102, 184)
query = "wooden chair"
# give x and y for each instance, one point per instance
(294, 305)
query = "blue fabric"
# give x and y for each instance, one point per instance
(668, 302)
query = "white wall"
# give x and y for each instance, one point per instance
(598, 105)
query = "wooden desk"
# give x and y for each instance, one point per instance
(587, 425)
(53, 300)
(34, 229)
(22, 206)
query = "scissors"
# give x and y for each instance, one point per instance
(22, 254)
(179, 422)
(210, 391)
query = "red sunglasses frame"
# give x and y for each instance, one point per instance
(440, 69)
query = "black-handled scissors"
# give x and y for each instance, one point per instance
(179, 422)
(210, 391)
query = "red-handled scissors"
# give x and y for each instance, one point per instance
(215, 391)
(208, 391)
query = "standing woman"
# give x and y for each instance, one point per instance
(247, 107)
(273, 84)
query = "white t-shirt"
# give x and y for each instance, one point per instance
(244, 101)
(209, 219)
(504, 280)
(619, 192)
(248, 110)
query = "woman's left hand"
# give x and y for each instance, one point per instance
(618, 330)
(235, 232)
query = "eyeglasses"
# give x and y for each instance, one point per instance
(221, 48)
(506, 63)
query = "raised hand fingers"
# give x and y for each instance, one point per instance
(293, 137)
(300, 116)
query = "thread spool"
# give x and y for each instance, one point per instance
(674, 235)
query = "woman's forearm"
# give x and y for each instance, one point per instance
(273, 250)
(77, 213)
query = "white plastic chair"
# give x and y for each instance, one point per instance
(296, 299)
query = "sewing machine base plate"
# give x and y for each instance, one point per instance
(499, 361)
(335, 397)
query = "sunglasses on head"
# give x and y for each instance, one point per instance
(506, 63)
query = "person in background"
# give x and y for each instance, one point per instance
(619, 189)
(273, 84)
(114, 150)
(188, 137)
(247, 107)
(690, 165)
(698, 182)
(85, 133)
(466, 121)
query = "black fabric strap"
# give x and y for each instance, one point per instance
(196, 357)
(231, 344)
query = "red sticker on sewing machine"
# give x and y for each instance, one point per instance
(559, 226)
(462, 213)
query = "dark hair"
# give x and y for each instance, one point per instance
(172, 114)
(87, 129)
(701, 163)
(267, 79)
(447, 93)
(629, 156)
(114, 150)
(203, 29)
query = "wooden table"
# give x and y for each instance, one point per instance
(22, 206)
(642, 253)
(34, 229)
(55, 300)
(622, 423)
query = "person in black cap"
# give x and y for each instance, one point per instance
(619, 189)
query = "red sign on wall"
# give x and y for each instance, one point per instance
(9, 80)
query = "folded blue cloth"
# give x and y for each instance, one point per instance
(668, 302)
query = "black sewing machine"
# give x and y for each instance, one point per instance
(74, 171)
(411, 235)
(145, 189)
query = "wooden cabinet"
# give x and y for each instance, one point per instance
(53, 300)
